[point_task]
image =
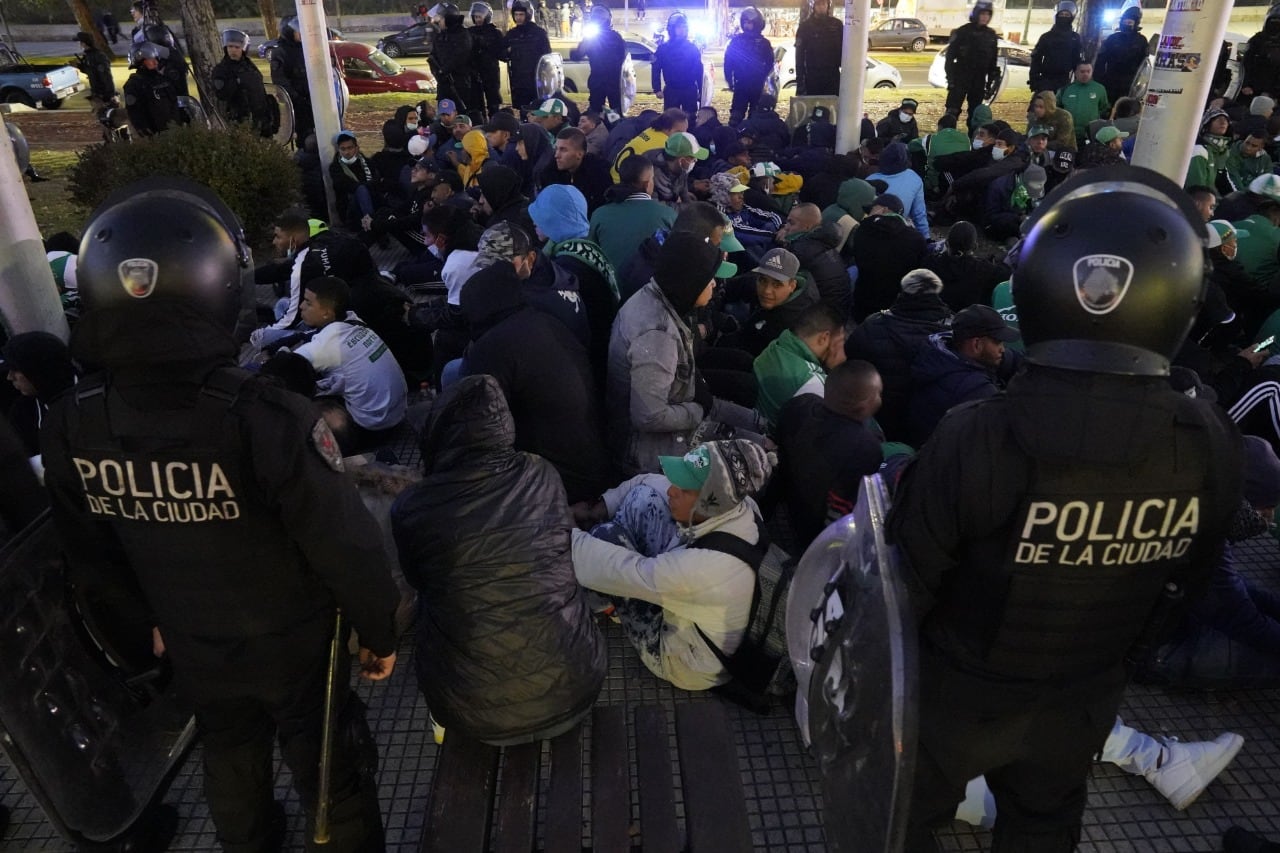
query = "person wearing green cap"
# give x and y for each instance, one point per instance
(672, 165)
(674, 589)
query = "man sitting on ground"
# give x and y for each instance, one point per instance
(797, 362)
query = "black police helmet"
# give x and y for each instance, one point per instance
(1111, 273)
(601, 15)
(1133, 13)
(161, 35)
(451, 14)
(163, 240)
(288, 27)
(522, 6)
(981, 6)
(677, 19)
(751, 15)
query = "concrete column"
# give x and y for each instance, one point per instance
(1184, 64)
(28, 296)
(324, 100)
(853, 74)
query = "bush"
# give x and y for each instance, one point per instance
(256, 177)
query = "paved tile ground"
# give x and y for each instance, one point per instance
(780, 780)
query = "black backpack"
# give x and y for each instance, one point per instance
(760, 668)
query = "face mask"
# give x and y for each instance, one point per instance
(905, 117)
(435, 252)
(1229, 250)
(348, 160)
(997, 154)
(411, 126)
(688, 169)
(977, 144)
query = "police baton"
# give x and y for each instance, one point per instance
(321, 833)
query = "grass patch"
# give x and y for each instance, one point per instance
(51, 200)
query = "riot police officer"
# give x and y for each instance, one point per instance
(1057, 52)
(1262, 58)
(214, 502)
(149, 96)
(748, 62)
(819, 39)
(97, 67)
(237, 84)
(1121, 55)
(486, 47)
(972, 60)
(289, 72)
(680, 61)
(606, 51)
(522, 48)
(450, 60)
(1089, 525)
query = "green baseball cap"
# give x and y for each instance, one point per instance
(551, 107)
(684, 144)
(689, 471)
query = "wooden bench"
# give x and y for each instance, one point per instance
(467, 813)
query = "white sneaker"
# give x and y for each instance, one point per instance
(1186, 769)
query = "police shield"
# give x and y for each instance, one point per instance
(282, 106)
(853, 650)
(193, 110)
(94, 743)
(627, 84)
(708, 84)
(996, 87)
(550, 77)
(21, 150)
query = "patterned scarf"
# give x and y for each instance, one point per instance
(588, 253)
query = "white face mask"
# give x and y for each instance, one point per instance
(688, 168)
(905, 117)
(1229, 250)
(348, 160)
(435, 251)
(997, 154)
(977, 144)
(411, 126)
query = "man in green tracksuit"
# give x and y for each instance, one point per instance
(798, 360)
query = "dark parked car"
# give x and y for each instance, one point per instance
(264, 49)
(414, 41)
(906, 33)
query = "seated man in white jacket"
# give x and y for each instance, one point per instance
(664, 586)
(366, 389)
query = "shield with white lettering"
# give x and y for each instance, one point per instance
(853, 649)
(94, 737)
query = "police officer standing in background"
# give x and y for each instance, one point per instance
(680, 61)
(1121, 55)
(522, 48)
(748, 61)
(972, 54)
(450, 60)
(289, 72)
(1041, 527)
(214, 502)
(1057, 52)
(819, 39)
(237, 84)
(486, 48)
(606, 51)
(149, 96)
(97, 67)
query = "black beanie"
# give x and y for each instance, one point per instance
(686, 262)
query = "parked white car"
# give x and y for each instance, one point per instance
(641, 51)
(1015, 65)
(880, 75)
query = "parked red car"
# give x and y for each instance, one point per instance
(368, 70)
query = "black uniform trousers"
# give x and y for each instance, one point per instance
(1034, 742)
(680, 98)
(746, 101)
(971, 88)
(523, 97)
(246, 693)
(488, 94)
(611, 92)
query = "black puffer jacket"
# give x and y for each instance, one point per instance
(523, 47)
(891, 340)
(818, 252)
(885, 248)
(506, 649)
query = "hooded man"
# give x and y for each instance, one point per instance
(681, 62)
(1057, 52)
(885, 247)
(39, 366)
(904, 183)
(501, 199)
(1121, 55)
(1045, 112)
(682, 605)
(818, 42)
(237, 83)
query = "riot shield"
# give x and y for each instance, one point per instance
(550, 77)
(708, 84)
(193, 110)
(627, 84)
(853, 647)
(93, 748)
(996, 87)
(283, 106)
(21, 150)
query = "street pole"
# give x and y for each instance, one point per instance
(1184, 64)
(853, 74)
(324, 100)
(28, 295)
